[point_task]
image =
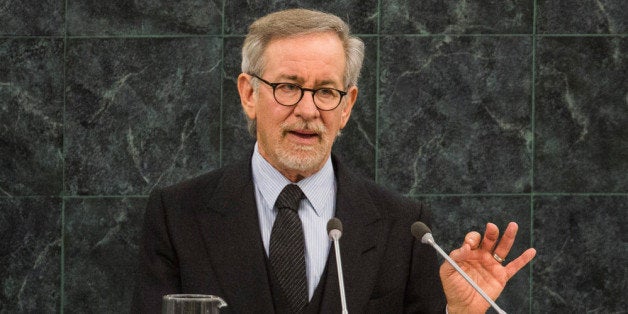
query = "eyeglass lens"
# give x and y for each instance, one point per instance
(290, 94)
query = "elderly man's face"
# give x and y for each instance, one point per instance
(297, 140)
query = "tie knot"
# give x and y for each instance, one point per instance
(290, 197)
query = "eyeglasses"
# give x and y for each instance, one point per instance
(288, 94)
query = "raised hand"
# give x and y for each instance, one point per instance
(484, 262)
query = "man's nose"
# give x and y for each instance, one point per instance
(306, 108)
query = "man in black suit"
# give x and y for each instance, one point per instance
(220, 233)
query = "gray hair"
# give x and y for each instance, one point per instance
(294, 22)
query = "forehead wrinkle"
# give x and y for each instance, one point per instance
(307, 67)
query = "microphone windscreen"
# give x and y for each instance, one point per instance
(334, 224)
(419, 229)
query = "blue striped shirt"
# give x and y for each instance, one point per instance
(315, 210)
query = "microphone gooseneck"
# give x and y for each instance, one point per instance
(422, 232)
(334, 230)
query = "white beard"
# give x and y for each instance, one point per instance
(306, 158)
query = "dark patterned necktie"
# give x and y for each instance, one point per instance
(287, 248)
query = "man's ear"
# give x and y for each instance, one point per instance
(351, 97)
(248, 98)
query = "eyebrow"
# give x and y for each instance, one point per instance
(300, 81)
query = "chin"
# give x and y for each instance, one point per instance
(302, 158)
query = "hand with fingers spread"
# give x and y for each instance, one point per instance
(484, 262)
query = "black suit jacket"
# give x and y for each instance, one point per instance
(202, 236)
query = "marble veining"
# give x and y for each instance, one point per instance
(31, 121)
(102, 237)
(587, 17)
(577, 269)
(151, 123)
(581, 113)
(144, 17)
(30, 254)
(456, 17)
(455, 115)
(360, 15)
(36, 18)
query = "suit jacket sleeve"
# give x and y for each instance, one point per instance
(424, 293)
(158, 272)
(423, 289)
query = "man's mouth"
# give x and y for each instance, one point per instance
(303, 131)
(305, 134)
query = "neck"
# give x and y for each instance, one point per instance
(296, 175)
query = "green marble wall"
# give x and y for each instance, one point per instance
(486, 110)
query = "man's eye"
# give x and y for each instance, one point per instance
(326, 92)
(287, 88)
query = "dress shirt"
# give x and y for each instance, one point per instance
(315, 210)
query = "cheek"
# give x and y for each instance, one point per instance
(266, 125)
(333, 121)
(269, 118)
(264, 110)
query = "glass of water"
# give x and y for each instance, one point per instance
(192, 304)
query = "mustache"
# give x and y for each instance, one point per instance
(318, 128)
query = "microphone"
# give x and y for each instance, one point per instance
(334, 230)
(422, 232)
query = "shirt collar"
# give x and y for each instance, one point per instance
(317, 187)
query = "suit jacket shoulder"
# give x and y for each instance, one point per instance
(202, 236)
(218, 183)
(389, 203)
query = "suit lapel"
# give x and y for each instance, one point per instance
(230, 228)
(361, 229)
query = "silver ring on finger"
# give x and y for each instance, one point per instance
(497, 258)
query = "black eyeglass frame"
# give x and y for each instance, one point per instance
(303, 90)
